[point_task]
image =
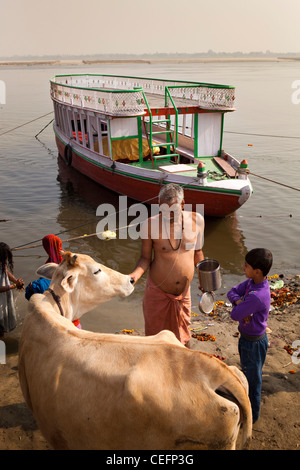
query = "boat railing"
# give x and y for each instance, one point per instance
(207, 97)
(149, 132)
(107, 101)
(123, 96)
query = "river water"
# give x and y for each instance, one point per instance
(39, 195)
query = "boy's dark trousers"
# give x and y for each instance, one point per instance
(252, 356)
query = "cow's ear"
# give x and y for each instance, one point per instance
(69, 282)
(47, 270)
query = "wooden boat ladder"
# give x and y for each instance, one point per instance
(171, 135)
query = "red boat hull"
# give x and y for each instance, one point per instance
(216, 203)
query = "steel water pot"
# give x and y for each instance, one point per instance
(209, 275)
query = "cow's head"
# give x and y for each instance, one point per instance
(84, 282)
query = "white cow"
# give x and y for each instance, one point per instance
(103, 391)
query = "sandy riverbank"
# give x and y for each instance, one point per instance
(68, 62)
(279, 425)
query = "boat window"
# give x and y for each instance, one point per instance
(56, 114)
(63, 119)
(78, 127)
(101, 144)
(189, 125)
(180, 124)
(59, 116)
(75, 127)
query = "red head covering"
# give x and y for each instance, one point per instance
(52, 246)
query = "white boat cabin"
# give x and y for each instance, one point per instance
(135, 120)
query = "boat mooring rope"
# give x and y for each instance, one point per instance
(43, 128)
(272, 181)
(264, 135)
(25, 124)
(28, 245)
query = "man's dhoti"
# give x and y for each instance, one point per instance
(163, 311)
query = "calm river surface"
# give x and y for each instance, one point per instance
(39, 195)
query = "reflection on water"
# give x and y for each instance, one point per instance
(224, 241)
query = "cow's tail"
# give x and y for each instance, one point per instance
(237, 391)
(245, 422)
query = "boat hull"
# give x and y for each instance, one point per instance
(216, 202)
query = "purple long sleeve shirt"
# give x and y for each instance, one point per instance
(256, 301)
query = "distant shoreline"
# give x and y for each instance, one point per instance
(67, 62)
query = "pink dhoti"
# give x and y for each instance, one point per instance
(163, 311)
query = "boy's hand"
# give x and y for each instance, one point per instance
(236, 302)
(247, 320)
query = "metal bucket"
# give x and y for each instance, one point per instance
(209, 275)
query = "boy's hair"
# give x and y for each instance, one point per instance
(260, 258)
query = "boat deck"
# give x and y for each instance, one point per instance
(184, 106)
(157, 102)
(213, 169)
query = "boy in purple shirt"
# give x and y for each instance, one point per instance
(251, 304)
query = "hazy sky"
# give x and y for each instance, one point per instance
(43, 27)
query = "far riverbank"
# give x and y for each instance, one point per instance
(67, 62)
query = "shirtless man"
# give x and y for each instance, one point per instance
(176, 238)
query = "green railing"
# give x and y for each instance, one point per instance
(167, 93)
(150, 123)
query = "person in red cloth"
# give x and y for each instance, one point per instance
(53, 247)
(175, 236)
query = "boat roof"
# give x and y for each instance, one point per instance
(127, 96)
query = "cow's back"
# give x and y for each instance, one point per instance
(96, 391)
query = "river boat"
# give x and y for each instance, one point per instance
(132, 135)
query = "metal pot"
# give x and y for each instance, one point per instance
(209, 275)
